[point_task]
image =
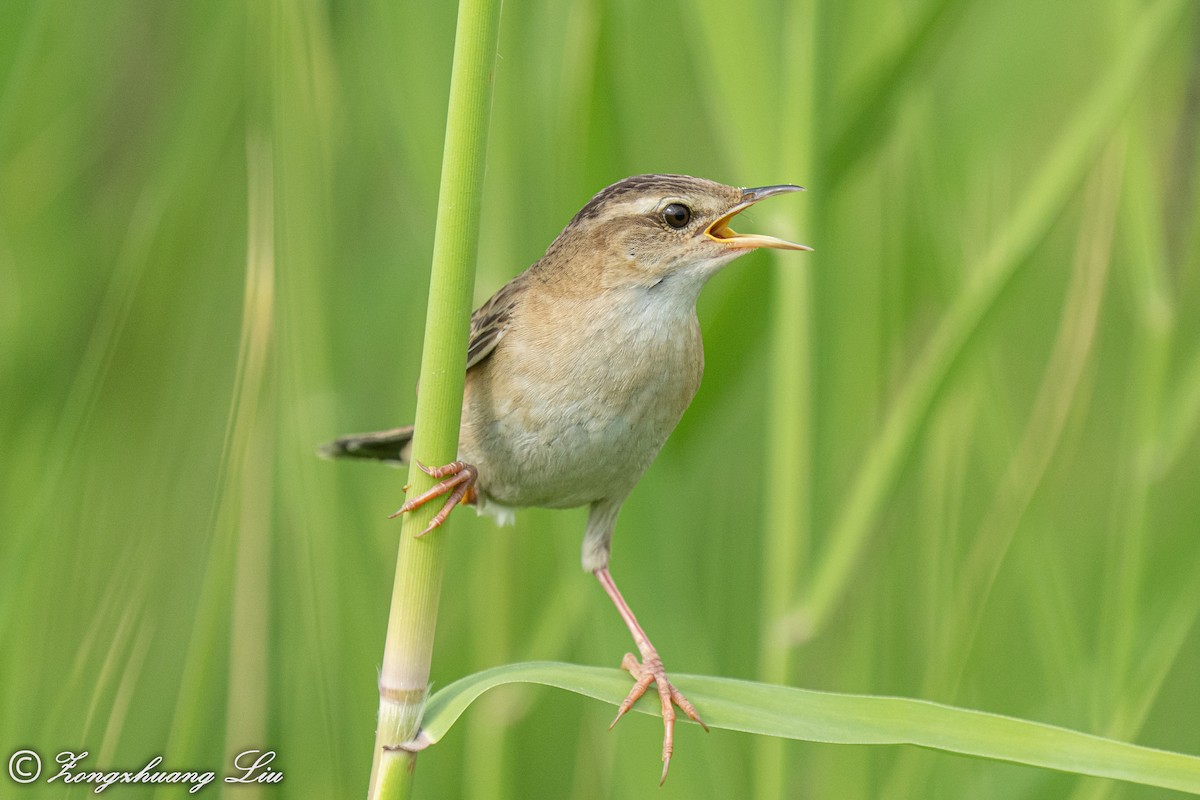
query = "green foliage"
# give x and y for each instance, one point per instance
(216, 225)
(789, 713)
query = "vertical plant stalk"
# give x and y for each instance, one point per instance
(788, 497)
(1153, 335)
(246, 499)
(404, 677)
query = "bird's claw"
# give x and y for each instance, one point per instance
(459, 481)
(644, 673)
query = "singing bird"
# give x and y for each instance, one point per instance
(580, 367)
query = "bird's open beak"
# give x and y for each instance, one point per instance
(720, 231)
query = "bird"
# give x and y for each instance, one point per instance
(580, 367)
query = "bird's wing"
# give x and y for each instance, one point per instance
(490, 321)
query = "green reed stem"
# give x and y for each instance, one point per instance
(404, 677)
(787, 499)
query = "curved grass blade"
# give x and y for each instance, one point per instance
(843, 719)
(1045, 197)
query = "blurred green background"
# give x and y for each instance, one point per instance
(954, 454)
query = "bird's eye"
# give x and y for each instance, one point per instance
(677, 215)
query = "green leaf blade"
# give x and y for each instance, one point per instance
(835, 718)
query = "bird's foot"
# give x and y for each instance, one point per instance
(459, 482)
(650, 670)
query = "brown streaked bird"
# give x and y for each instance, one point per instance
(580, 367)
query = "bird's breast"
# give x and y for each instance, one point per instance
(574, 407)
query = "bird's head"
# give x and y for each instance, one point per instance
(648, 228)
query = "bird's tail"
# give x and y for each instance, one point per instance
(392, 446)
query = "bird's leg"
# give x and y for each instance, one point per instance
(649, 670)
(459, 482)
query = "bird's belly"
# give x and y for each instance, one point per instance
(567, 444)
(570, 455)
